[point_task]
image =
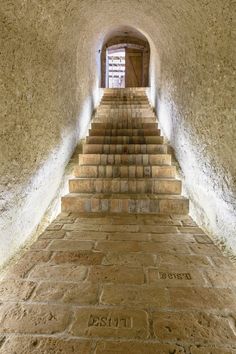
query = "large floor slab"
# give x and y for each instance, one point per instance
(96, 283)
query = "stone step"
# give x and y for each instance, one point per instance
(122, 106)
(124, 116)
(125, 185)
(131, 120)
(125, 203)
(130, 95)
(122, 148)
(124, 132)
(124, 140)
(132, 171)
(125, 125)
(124, 171)
(126, 102)
(127, 99)
(124, 159)
(135, 108)
(125, 91)
(124, 96)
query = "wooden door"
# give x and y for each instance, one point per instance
(133, 68)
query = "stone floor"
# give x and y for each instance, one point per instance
(96, 283)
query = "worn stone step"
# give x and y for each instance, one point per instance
(124, 115)
(125, 108)
(130, 102)
(138, 101)
(131, 171)
(125, 91)
(125, 125)
(132, 117)
(124, 120)
(135, 110)
(125, 185)
(125, 203)
(126, 98)
(125, 103)
(125, 159)
(124, 132)
(123, 148)
(125, 171)
(125, 95)
(124, 140)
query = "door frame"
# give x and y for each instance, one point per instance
(133, 52)
(126, 42)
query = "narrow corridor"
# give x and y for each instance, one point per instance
(124, 268)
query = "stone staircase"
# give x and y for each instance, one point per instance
(125, 166)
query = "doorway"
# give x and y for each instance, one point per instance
(116, 68)
(124, 68)
(125, 63)
(133, 67)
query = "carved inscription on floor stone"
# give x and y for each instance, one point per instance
(110, 321)
(178, 276)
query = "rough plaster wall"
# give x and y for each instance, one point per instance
(42, 106)
(196, 107)
(49, 81)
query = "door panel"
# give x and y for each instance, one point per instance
(133, 68)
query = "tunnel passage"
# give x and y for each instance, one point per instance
(51, 75)
(50, 61)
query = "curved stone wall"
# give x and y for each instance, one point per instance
(50, 74)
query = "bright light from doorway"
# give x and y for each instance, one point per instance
(116, 68)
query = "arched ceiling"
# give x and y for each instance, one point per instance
(124, 31)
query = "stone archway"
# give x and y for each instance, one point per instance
(133, 47)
